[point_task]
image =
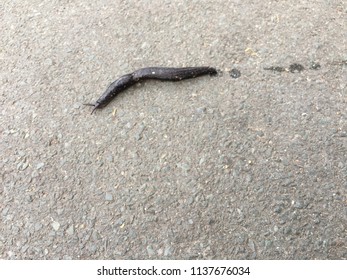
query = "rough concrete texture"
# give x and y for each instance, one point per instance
(208, 168)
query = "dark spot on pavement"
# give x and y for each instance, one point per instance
(315, 66)
(295, 68)
(234, 73)
(342, 62)
(275, 68)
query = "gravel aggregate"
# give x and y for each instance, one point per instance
(245, 167)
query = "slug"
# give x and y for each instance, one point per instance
(155, 73)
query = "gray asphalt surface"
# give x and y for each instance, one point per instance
(209, 168)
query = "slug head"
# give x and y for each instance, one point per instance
(96, 105)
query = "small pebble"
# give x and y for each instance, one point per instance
(55, 225)
(109, 158)
(299, 204)
(92, 248)
(108, 197)
(287, 231)
(22, 166)
(119, 222)
(40, 165)
(278, 209)
(168, 250)
(150, 251)
(48, 62)
(251, 245)
(138, 135)
(70, 230)
(201, 110)
(21, 154)
(38, 226)
(183, 166)
(190, 200)
(24, 248)
(260, 133)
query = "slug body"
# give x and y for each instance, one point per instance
(156, 73)
(172, 74)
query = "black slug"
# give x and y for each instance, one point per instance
(157, 73)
